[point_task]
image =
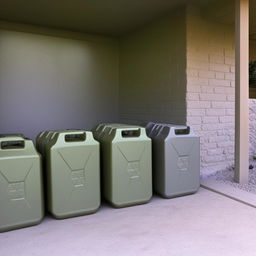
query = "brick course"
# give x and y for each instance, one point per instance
(210, 90)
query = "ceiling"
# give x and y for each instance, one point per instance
(111, 17)
(224, 12)
(107, 17)
(253, 19)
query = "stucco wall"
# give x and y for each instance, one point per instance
(152, 72)
(210, 89)
(56, 82)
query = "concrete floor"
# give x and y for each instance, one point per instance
(203, 224)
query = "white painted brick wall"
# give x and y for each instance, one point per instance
(210, 90)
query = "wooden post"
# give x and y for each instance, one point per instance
(242, 92)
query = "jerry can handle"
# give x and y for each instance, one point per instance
(69, 137)
(131, 132)
(152, 128)
(157, 129)
(41, 134)
(12, 143)
(11, 135)
(182, 131)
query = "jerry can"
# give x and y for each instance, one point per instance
(176, 159)
(72, 172)
(21, 196)
(126, 164)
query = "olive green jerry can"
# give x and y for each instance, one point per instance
(21, 197)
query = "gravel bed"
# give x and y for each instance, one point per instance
(227, 177)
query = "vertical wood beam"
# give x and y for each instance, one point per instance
(242, 92)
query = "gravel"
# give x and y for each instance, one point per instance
(227, 177)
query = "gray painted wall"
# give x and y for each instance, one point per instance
(49, 82)
(153, 72)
